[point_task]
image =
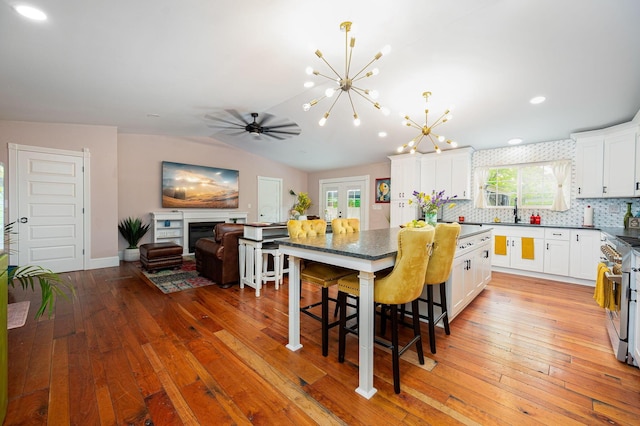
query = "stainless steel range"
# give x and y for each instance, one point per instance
(621, 321)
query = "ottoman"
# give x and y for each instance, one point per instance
(155, 256)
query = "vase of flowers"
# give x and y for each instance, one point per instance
(431, 203)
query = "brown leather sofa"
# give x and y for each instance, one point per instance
(217, 257)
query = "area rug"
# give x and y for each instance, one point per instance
(17, 314)
(173, 280)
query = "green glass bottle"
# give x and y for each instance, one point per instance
(627, 215)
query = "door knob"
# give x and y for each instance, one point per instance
(24, 220)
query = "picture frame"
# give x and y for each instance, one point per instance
(193, 186)
(383, 190)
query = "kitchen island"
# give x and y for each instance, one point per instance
(366, 252)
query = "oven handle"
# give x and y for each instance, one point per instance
(612, 277)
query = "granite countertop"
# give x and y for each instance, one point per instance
(546, 225)
(371, 245)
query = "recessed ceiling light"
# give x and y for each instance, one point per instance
(382, 134)
(308, 84)
(30, 12)
(514, 141)
(153, 115)
(538, 100)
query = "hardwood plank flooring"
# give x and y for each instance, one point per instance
(526, 351)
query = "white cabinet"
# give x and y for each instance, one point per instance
(471, 272)
(401, 212)
(606, 165)
(556, 251)
(518, 248)
(635, 319)
(449, 171)
(405, 178)
(173, 226)
(584, 253)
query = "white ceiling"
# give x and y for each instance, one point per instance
(117, 62)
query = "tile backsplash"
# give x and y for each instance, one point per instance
(607, 212)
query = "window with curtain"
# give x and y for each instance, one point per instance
(535, 185)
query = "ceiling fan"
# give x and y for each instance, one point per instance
(249, 123)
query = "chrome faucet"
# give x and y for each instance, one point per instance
(515, 211)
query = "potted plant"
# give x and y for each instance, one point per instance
(51, 283)
(132, 230)
(303, 202)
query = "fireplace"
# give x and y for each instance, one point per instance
(199, 230)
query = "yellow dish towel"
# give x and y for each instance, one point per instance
(604, 293)
(500, 245)
(527, 248)
(599, 292)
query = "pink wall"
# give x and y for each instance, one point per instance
(126, 168)
(139, 170)
(377, 218)
(102, 144)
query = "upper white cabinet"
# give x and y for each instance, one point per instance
(606, 162)
(405, 178)
(449, 171)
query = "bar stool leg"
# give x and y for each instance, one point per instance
(432, 325)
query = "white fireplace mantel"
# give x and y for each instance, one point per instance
(173, 225)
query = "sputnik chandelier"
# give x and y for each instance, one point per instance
(346, 83)
(426, 130)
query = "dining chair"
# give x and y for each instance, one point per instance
(403, 284)
(445, 243)
(319, 274)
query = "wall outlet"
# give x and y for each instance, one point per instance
(614, 208)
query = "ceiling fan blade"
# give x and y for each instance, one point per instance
(271, 135)
(221, 120)
(282, 132)
(237, 115)
(266, 117)
(279, 126)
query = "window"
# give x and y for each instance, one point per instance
(529, 185)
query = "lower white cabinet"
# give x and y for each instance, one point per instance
(517, 254)
(556, 251)
(636, 344)
(584, 253)
(470, 273)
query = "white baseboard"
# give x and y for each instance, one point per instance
(104, 262)
(560, 278)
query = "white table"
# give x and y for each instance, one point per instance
(250, 251)
(364, 251)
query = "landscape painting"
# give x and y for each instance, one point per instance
(191, 186)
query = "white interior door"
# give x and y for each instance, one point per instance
(345, 198)
(50, 207)
(269, 199)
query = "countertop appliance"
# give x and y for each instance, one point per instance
(621, 322)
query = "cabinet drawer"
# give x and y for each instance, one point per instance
(556, 234)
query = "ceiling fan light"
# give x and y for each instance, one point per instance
(323, 120)
(400, 149)
(329, 92)
(306, 107)
(441, 138)
(453, 144)
(386, 50)
(373, 93)
(356, 120)
(309, 70)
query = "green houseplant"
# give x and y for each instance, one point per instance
(132, 230)
(51, 284)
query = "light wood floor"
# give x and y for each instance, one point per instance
(526, 351)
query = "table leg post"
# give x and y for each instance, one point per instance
(241, 261)
(258, 271)
(366, 322)
(294, 304)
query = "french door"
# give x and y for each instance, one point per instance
(345, 198)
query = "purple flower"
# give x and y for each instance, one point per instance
(431, 203)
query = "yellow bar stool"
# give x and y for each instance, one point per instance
(318, 273)
(445, 243)
(402, 285)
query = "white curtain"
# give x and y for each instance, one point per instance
(561, 171)
(480, 178)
